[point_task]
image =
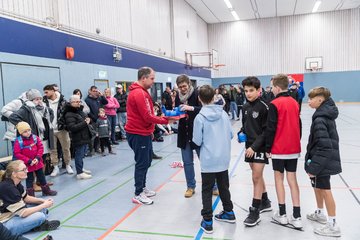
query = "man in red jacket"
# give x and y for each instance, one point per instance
(139, 127)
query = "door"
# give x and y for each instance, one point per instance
(16, 79)
(156, 91)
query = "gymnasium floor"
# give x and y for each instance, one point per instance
(101, 208)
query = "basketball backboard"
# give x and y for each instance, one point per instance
(313, 63)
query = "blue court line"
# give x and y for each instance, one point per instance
(201, 232)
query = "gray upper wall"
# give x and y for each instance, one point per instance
(272, 45)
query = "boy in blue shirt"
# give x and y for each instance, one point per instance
(212, 132)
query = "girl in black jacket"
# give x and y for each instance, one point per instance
(323, 158)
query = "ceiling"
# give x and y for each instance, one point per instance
(215, 11)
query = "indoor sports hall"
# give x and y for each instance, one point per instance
(101, 46)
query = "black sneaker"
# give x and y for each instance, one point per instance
(207, 226)
(226, 217)
(265, 206)
(48, 225)
(114, 143)
(154, 156)
(253, 218)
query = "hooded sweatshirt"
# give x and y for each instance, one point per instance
(212, 132)
(141, 119)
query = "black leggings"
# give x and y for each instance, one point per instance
(105, 142)
(40, 177)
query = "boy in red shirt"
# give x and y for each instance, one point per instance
(283, 146)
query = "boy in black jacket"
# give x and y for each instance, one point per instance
(254, 123)
(323, 158)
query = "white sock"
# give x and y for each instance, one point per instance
(320, 211)
(332, 220)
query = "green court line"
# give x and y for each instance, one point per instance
(141, 232)
(76, 195)
(87, 206)
(96, 201)
(122, 170)
(87, 189)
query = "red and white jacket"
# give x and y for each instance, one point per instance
(283, 128)
(141, 119)
(29, 151)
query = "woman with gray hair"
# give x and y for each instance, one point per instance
(78, 125)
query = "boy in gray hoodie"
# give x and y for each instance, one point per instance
(212, 132)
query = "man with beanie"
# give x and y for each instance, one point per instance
(38, 116)
(57, 102)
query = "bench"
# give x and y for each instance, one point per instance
(6, 159)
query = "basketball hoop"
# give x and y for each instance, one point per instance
(217, 66)
(314, 68)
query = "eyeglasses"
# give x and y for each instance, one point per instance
(183, 86)
(76, 101)
(22, 170)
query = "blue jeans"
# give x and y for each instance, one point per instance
(79, 156)
(112, 120)
(233, 109)
(142, 147)
(188, 159)
(20, 225)
(122, 118)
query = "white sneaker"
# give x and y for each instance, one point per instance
(69, 169)
(296, 222)
(142, 199)
(329, 230)
(281, 219)
(86, 171)
(148, 192)
(320, 218)
(55, 172)
(83, 176)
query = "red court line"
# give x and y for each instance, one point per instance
(110, 230)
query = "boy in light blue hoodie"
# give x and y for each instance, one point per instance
(212, 132)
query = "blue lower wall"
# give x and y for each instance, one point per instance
(344, 86)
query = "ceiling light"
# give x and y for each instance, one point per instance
(316, 6)
(228, 3)
(235, 15)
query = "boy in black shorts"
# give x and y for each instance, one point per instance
(283, 146)
(253, 125)
(323, 159)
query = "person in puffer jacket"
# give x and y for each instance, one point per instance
(323, 158)
(29, 149)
